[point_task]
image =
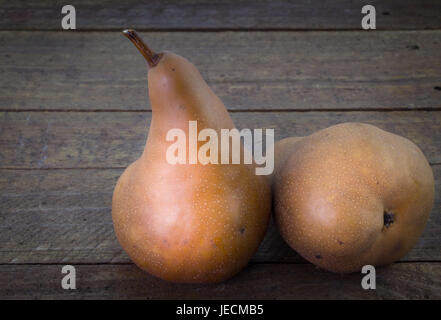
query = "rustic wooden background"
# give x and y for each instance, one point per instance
(74, 113)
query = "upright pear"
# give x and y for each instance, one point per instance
(191, 223)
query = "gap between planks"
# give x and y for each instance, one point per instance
(303, 262)
(231, 110)
(219, 30)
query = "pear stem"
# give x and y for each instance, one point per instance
(151, 57)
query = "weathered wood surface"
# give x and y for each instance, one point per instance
(64, 216)
(113, 140)
(264, 281)
(58, 169)
(248, 70)
(223, 15)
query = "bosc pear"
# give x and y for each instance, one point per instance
(188, 223)
(351, 195)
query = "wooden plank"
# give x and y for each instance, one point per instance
(267, 281)
(230, 14)
(115, 139)
(248, 70)
(64, 216)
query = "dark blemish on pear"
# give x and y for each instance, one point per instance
(318, 256)
(388, 219)
(340, 242)
(242, 230)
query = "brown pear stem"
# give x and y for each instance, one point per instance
(151, 57)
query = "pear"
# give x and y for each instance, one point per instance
(351, 195)
(187, 223)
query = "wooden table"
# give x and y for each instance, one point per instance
(75, 113)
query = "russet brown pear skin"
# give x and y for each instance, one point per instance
(188, 223)
(351, 195)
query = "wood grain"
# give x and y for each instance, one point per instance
(230, 14)
(248, 70)
(114, 139)
(265, 281)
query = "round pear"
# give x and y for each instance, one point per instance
(351, 195)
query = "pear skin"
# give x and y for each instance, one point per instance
(353, 195)
(187, 223)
